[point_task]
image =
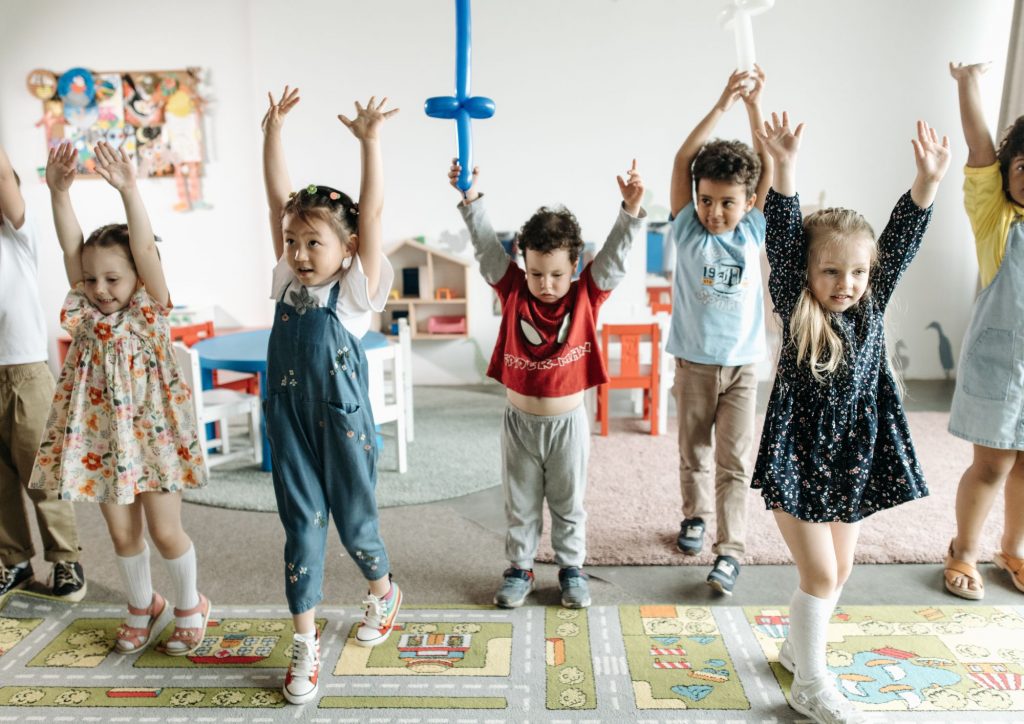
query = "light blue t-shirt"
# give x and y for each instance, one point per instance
(717, 298)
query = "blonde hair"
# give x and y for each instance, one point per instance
(810, 326)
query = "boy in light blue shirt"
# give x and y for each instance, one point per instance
(717, 332)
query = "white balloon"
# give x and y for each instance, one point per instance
(737, 14)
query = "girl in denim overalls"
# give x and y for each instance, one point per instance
(988, 405)
(330, 275)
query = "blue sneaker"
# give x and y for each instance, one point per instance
(723, 576)
(15, 577)
(691, 536)
(575, 589)
(516, 587)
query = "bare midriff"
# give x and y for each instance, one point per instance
(544, 406)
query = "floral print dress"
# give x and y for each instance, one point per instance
(838, 451)
(122, 421)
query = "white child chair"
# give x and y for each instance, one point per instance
(219, 405)
(389, 374)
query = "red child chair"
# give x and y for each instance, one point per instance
(631, 374)
(659, 299)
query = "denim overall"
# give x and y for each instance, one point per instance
(987, 405)
(323, 446)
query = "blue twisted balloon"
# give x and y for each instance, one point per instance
(462, 107)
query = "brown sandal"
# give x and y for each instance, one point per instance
(136, 636)
(191, 637)
(960, 568)
(1013, 566)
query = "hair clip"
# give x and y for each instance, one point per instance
(291, 194)
(334, 196)
(311, 189)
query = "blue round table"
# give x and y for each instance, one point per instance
(247, 352)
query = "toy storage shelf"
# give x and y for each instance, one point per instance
(430, 283)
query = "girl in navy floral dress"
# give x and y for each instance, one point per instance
(836, 446)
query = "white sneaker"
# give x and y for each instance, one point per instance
(379, 619)
(821, 702)
(786, 657)
(300, 683)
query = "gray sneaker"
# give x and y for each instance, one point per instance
(516, 587)
(822, 702)
(575, 589)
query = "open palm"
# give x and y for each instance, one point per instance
(115, 166)
(931, 155)
(61, 166)
(780, 141)
(274, 118)
(367, 122)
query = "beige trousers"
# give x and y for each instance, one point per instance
(26, 393)
(719, 401)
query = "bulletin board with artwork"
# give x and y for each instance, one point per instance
(155, 116)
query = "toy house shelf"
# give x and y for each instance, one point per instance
(432, 287)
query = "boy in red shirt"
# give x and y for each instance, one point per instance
(547, 355)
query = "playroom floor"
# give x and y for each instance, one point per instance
(451, 552)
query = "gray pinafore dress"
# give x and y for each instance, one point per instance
(988, 405)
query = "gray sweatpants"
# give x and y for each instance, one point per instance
(545, 457)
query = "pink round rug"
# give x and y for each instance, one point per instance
(634, 508)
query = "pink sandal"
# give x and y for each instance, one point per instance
(190, 637)
(135, 636)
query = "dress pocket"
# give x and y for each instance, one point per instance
(990, 365)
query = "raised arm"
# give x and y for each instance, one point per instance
(784, 237)
(981, 151)
(275, 167)
(609, 266)
(119, 171)
(60, 173)
(932, 159)
(752, 101)
(489, 253)
(783, 145)
(682, 175)
(366, 127)
(12, 204)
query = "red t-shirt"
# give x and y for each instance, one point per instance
(541, 353)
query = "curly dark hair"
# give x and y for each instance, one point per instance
(111, 235)
(551, 229)
(731, 161)
(334, 207)
(1010, 148)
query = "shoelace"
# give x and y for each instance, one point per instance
(375, 608)
(65, 573)
(6, 575)
(303, 658)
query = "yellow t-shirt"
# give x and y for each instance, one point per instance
(991, 215)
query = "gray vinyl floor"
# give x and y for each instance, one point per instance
(451, 552)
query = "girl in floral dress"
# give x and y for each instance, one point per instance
(121, 431)
(835, 446)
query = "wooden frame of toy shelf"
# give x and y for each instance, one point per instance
(437, 269)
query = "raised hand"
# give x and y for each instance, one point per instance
(453, 178)
(274, 117)
(751, 93)
(734, 89)
(632, 190)
(961, 72)
(366, 125)
(931, 156)
(782, 143)
(61, 166)
(114, 165)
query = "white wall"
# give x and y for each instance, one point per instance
(581, 87)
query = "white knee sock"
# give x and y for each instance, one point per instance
(138, 581)
(808, 629)
(186, 595)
